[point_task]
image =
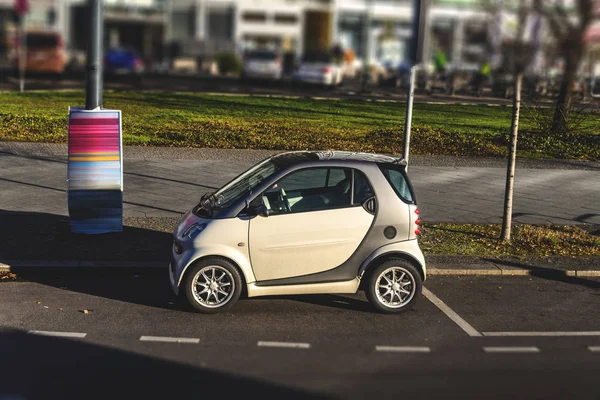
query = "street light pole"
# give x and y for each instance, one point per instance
(22, 52)
(366, 81)
(93, 87)
(409, 109)
(420, 11)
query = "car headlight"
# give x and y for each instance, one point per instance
(194, 230)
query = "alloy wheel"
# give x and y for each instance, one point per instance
(395, 287)
(213, 286)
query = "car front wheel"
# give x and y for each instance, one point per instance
(394, 286)
(213, 285)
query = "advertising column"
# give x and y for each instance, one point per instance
(95, 167)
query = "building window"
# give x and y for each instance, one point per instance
(286, 19)
(253, 16)
(220, 23)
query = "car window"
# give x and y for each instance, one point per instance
(398, 182)
(305, 179)
(336, 175)
(317, 58)
(310, 190)
(262, 55)
(42, 41)
(362, 188)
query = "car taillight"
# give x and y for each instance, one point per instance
(138, 64)
(326, 70)
(417, 222)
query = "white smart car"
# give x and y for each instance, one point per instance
(303, 223)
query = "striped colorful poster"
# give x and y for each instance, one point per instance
(95, 171)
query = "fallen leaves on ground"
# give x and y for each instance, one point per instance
(526, 240)
(7, 276)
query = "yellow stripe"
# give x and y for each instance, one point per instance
(108, 158)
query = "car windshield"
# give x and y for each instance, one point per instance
(237, 189)
(41, 41)
(317, 58)
(262, 55)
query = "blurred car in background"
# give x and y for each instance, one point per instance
(76, 60)
(123, 61)
(45, 53)
(262, 64)
(320, 68)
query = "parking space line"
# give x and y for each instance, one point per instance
(594, 349)
(583, 333)
(284, 344)
(511, 349)
(464, 325)
(403, 349)
(58, 334)
(167, 339)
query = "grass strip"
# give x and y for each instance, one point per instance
(254, 122)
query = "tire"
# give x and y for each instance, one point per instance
(218, 299)
(410, 282)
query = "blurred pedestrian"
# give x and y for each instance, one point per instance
(440, 61)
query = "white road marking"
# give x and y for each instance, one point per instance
(403, 349)
(509, 349)
(58, 334)
(284, 344)
(465, 326)
(594, 349)
(591, 333)
(168, 339)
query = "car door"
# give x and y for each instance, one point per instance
(313, 224)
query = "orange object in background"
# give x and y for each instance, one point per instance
(45, 52)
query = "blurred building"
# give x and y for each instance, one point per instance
(458, 26)
(199, 28)
(466, 31)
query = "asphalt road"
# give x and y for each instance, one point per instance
(300, 346)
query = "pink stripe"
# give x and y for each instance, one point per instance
(94, 121)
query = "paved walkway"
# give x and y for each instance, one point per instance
(167, 182)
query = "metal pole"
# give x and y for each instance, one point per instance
(22, 52)
(409, 108)
(93, 87)
(366, 81)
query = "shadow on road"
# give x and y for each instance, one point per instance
(40, 236)
(329, 300)
(40, 367)
(548, 273)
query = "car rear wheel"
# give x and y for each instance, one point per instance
(213, 285)
(394, 286)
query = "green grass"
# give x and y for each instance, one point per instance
(201, 120)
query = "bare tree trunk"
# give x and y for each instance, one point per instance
(512, 158)
(565, 96)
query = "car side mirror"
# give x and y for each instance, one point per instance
(261, 210)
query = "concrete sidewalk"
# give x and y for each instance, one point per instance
(168, 181)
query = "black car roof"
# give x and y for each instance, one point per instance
(288, 159)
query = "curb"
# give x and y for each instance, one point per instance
(472, 270)
(13, 266)
(499, 271)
